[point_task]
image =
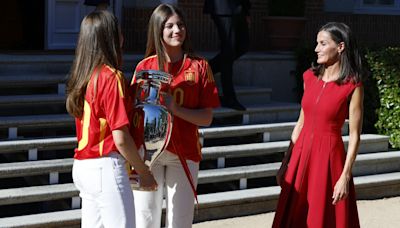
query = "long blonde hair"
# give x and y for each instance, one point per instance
(157, 22)
(98, 44)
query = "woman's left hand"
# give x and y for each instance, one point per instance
(341, 190)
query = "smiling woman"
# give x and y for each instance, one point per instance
(174, 33)
(327, 50)
(190, 98)
(318, 189)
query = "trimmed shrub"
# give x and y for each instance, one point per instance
(385, 70)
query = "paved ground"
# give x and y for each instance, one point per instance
(383, 213)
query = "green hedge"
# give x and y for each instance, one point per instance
(385, 69)
(381, 86)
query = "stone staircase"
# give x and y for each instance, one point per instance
(241, 150)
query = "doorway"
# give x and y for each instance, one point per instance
(23, 24)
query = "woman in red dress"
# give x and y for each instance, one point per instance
(318, 189)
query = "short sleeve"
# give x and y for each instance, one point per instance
(352, 87)
(359, 84)
(308, 76)
(137, 69)
(115, 101)
(209, 93)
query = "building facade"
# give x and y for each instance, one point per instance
(54, 24)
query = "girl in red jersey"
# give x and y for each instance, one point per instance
(191, 97)
(97, 99)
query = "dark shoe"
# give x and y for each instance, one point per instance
(233, 104)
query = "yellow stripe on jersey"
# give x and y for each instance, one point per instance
(210, 76)
(85, 129)
(118, 76)
(120, 88)
(103, 125)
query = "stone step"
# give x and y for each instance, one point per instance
(51, 63)
(15, 125)
(369, 143)
(378, 186)
(33, 104)
(260, 200)
(31, 100)
(271, 132)
(37, 144)
(247, 95)
(32, 168)
(28, 80)
(67, 218)
(253, 95)
(37, 193)
(224, 204)
(366, 164)
(36, 104)
(35, 63)
(28, 84)
(273, 112)
(36, 121)
(377, 163)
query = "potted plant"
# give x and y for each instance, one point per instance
(285, 23)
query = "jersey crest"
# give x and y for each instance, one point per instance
(190, 76)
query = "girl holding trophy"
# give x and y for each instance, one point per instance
(98, 100)
(190, 98)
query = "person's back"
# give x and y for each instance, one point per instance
(226, 7)
(231, 18)
(98, 101)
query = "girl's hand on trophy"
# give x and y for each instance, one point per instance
(147, 181)
(169, 102)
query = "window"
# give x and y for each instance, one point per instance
(378, 2)
(383, 7)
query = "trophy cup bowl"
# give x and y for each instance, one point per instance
(152, 123)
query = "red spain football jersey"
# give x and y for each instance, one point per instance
(105, 109)
(192, 87)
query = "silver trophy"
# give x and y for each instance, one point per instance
(151, 120)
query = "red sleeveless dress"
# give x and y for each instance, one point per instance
(317, 162)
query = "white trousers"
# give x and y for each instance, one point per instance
(107, 199)
(173, 183)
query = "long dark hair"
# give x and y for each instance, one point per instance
(98, 44)
(351, 67)
(157, 21)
